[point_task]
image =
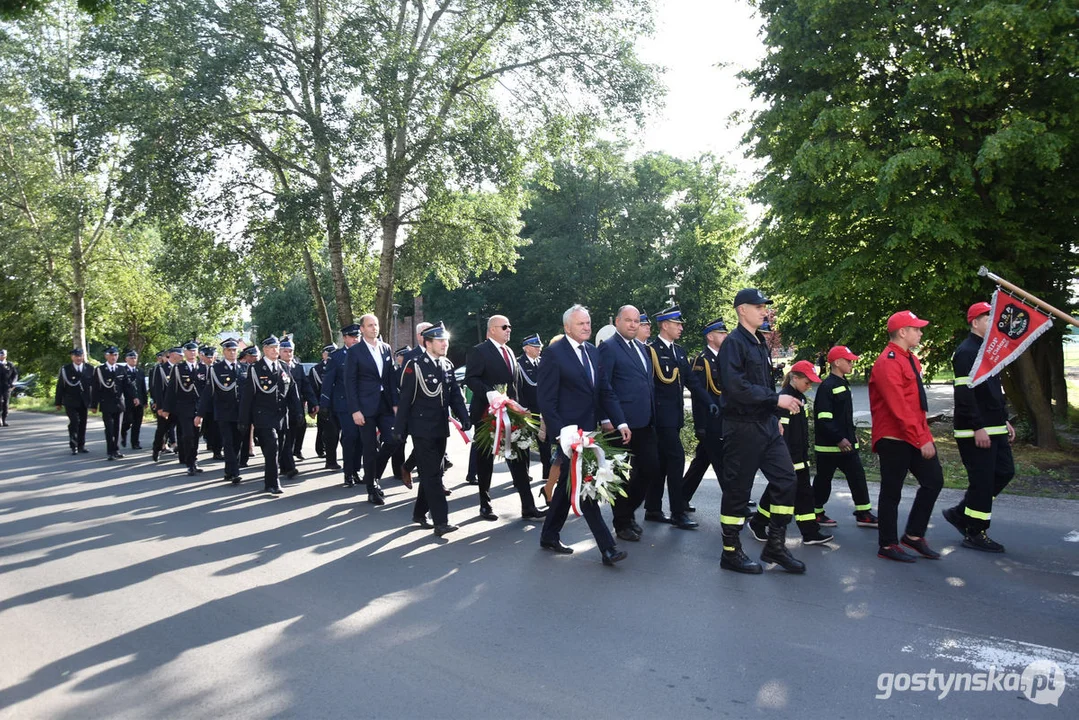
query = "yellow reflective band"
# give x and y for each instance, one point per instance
(799, 466)
(783, 509)
(856, 446)
(995, 430)
(819, 511)
(964, 433)
(862, 508)
(976, 515)
(962, 380)
(840, 389)
(729, 548)
(824, 415)
(805, 518)
(784, 421)
(731, 520)
(763, 511)
(826, 448)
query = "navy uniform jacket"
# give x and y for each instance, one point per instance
(428, 392)
(566, 396)
(110, 388)
(706, 366)
(527, 386)
(304, 394)
(745, 368)
(485, 369)
(364, 386)
(795, 431)
(333, 395)
(221, 398)
(630, 381)
(672, 363)
(315, 377)
(977, 408)
(184, 388)
(136, 378)
(267, 395)
(833, 413)
(159, 383)
(8, 375)
(73, 387)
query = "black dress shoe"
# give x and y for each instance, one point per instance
(236, 479)
(155, 455)
(110, 458)
(422, 522)
(349, 482)
(533, 514)
(684, 522)
(628, 534)
(123, 442)
(74, 451)
(472, 481)
(320, 453)
(191, 472)
(488, 514)
(656, 516)
(198, 469)
(299, 456)
(612, 555)
(84, 451)
(636, 528)
(375, 499)
(277, 491)
(691, 508)
(556, 547)
(331, 466)
(218, 455)
(446, 491)
(118, 455)
(441, 530)
(447, 465)
(290, 474)
(136, 447)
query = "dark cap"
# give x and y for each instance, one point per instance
(716, 325)
(353, 330)
(436, 332)
(532, 340)
(402, 350)
(272, 340)
(230, 344)
(673, 313)
(249, 351)
(207, 351)
(131, 353)
(191, 345)
(78, 352)
(329, 348)
(176, 349)
(286, 343)
(751, 296)
(112, 350)
(644, 318)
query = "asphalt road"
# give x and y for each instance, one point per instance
(129, 590)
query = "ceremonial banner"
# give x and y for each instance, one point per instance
(1013, 326)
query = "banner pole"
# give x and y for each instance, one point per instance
(984, 272)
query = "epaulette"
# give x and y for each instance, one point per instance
(891, 354)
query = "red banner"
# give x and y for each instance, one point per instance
(1013, 326)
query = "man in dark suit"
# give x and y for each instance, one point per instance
(335, 399)
(110, 393)
(306, 401)
(268, 393)
(73, 389)
(181, 403)
(707, 427)
(136, 404)
(489, 366)
(572, 391)
(428, 392)
(327, 434)
(8, 375)
(529, 360)
(209, 429)
(626, 366)
(223, 396)
(159, 385)
(372, 402)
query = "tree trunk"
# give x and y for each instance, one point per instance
(78, 292)
(316, 293)
(1058, 380)
(332, 216)
(391, 222)
(1031, 388)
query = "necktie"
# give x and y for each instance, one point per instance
(506, 357)
(921, 387)
(587, 365)
(635, 349)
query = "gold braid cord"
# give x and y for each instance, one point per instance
(708, 378)
(659, 373)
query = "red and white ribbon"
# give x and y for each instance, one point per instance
(574, 442)
(466, 435)
(499, 406)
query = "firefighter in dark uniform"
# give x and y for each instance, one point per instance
(327, 433)
(182, 402)
(209, 430)
(222, 397)
(248, 357)
(836, 443)
(400, 466)
(9, 374)
(334, 398)
(529, 360)
(707, 427)
(109, 395)
(672, 374)
(73, 390)
(751, 439)
(306, 401)
(428, 392)
(136, 404)
(795, 430)
(159, 386)
(268, 393)
(984, 437)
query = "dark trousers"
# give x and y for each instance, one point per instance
(989, 470)
(298, 434)
(518, 467)
(132, 424)
(211, 433)
(286, 461)
(188, 439)
(230, 447)
(351, 448)
(5, 401)
(269, 441)
(672, 465)
(328, 434)
(76, 427)
(896, 459)
(544, 450)
(709, 452)
(429, 454)
(748, 447)
(559, 510)
(164, 432)
(645, 467)
(470, 474)
(850, 464)
(804, 512)
(111, 421)
(375, 435)
(245, 447)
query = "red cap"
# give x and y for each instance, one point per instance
(806, 368)
(841, 352)
(977, 310)
(905, 318)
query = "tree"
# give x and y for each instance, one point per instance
(906, 144)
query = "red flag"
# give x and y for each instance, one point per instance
(1013, 326)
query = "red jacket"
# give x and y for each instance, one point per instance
(893, 398)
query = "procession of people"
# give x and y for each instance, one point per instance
(369, 400)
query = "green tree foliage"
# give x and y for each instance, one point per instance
(906, 144)
(607, 232)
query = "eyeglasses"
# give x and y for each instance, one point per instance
(507, 327)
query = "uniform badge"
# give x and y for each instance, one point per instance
(891, 354)
(408, 369)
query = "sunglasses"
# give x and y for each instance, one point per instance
(506, 327)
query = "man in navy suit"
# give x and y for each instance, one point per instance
(334, 399)
(372, 401)
(490, 365)
(572, 391)
(626, 366)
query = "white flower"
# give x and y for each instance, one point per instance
(524, 444)
(604, 475)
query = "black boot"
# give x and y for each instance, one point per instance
(733, 558)
(775, 551)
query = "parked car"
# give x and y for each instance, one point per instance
(25, 386)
